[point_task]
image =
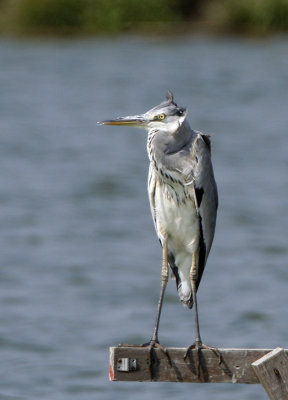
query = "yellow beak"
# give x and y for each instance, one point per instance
(137, 120)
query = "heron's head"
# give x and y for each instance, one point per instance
(167, 116)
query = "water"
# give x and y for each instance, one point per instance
(80, 262)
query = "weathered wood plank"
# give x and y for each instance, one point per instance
(272, 371)
(234, 368)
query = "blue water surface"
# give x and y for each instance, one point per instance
(80, 262)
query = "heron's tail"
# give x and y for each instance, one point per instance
(189, 303)
(185, 294)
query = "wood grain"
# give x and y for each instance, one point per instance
(234, 368)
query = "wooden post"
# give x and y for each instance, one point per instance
(135, 364)
(272, 372)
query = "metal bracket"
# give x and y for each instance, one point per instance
(126, 364)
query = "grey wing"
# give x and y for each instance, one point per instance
(206, 196)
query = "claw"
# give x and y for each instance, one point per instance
(200, 346)
(153, 344)
(157, 345)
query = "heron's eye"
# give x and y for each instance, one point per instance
(161, 117)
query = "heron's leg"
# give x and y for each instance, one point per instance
(154, 342)
(164, 280)
(198, 345)
(193, 279)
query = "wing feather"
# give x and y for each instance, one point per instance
(206, 197)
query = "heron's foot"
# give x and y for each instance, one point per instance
(153, 344)
(198, 345)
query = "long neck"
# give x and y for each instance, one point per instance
(163, 146)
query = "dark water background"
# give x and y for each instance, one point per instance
(80, 262)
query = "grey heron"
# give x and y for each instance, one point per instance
(183, 199)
